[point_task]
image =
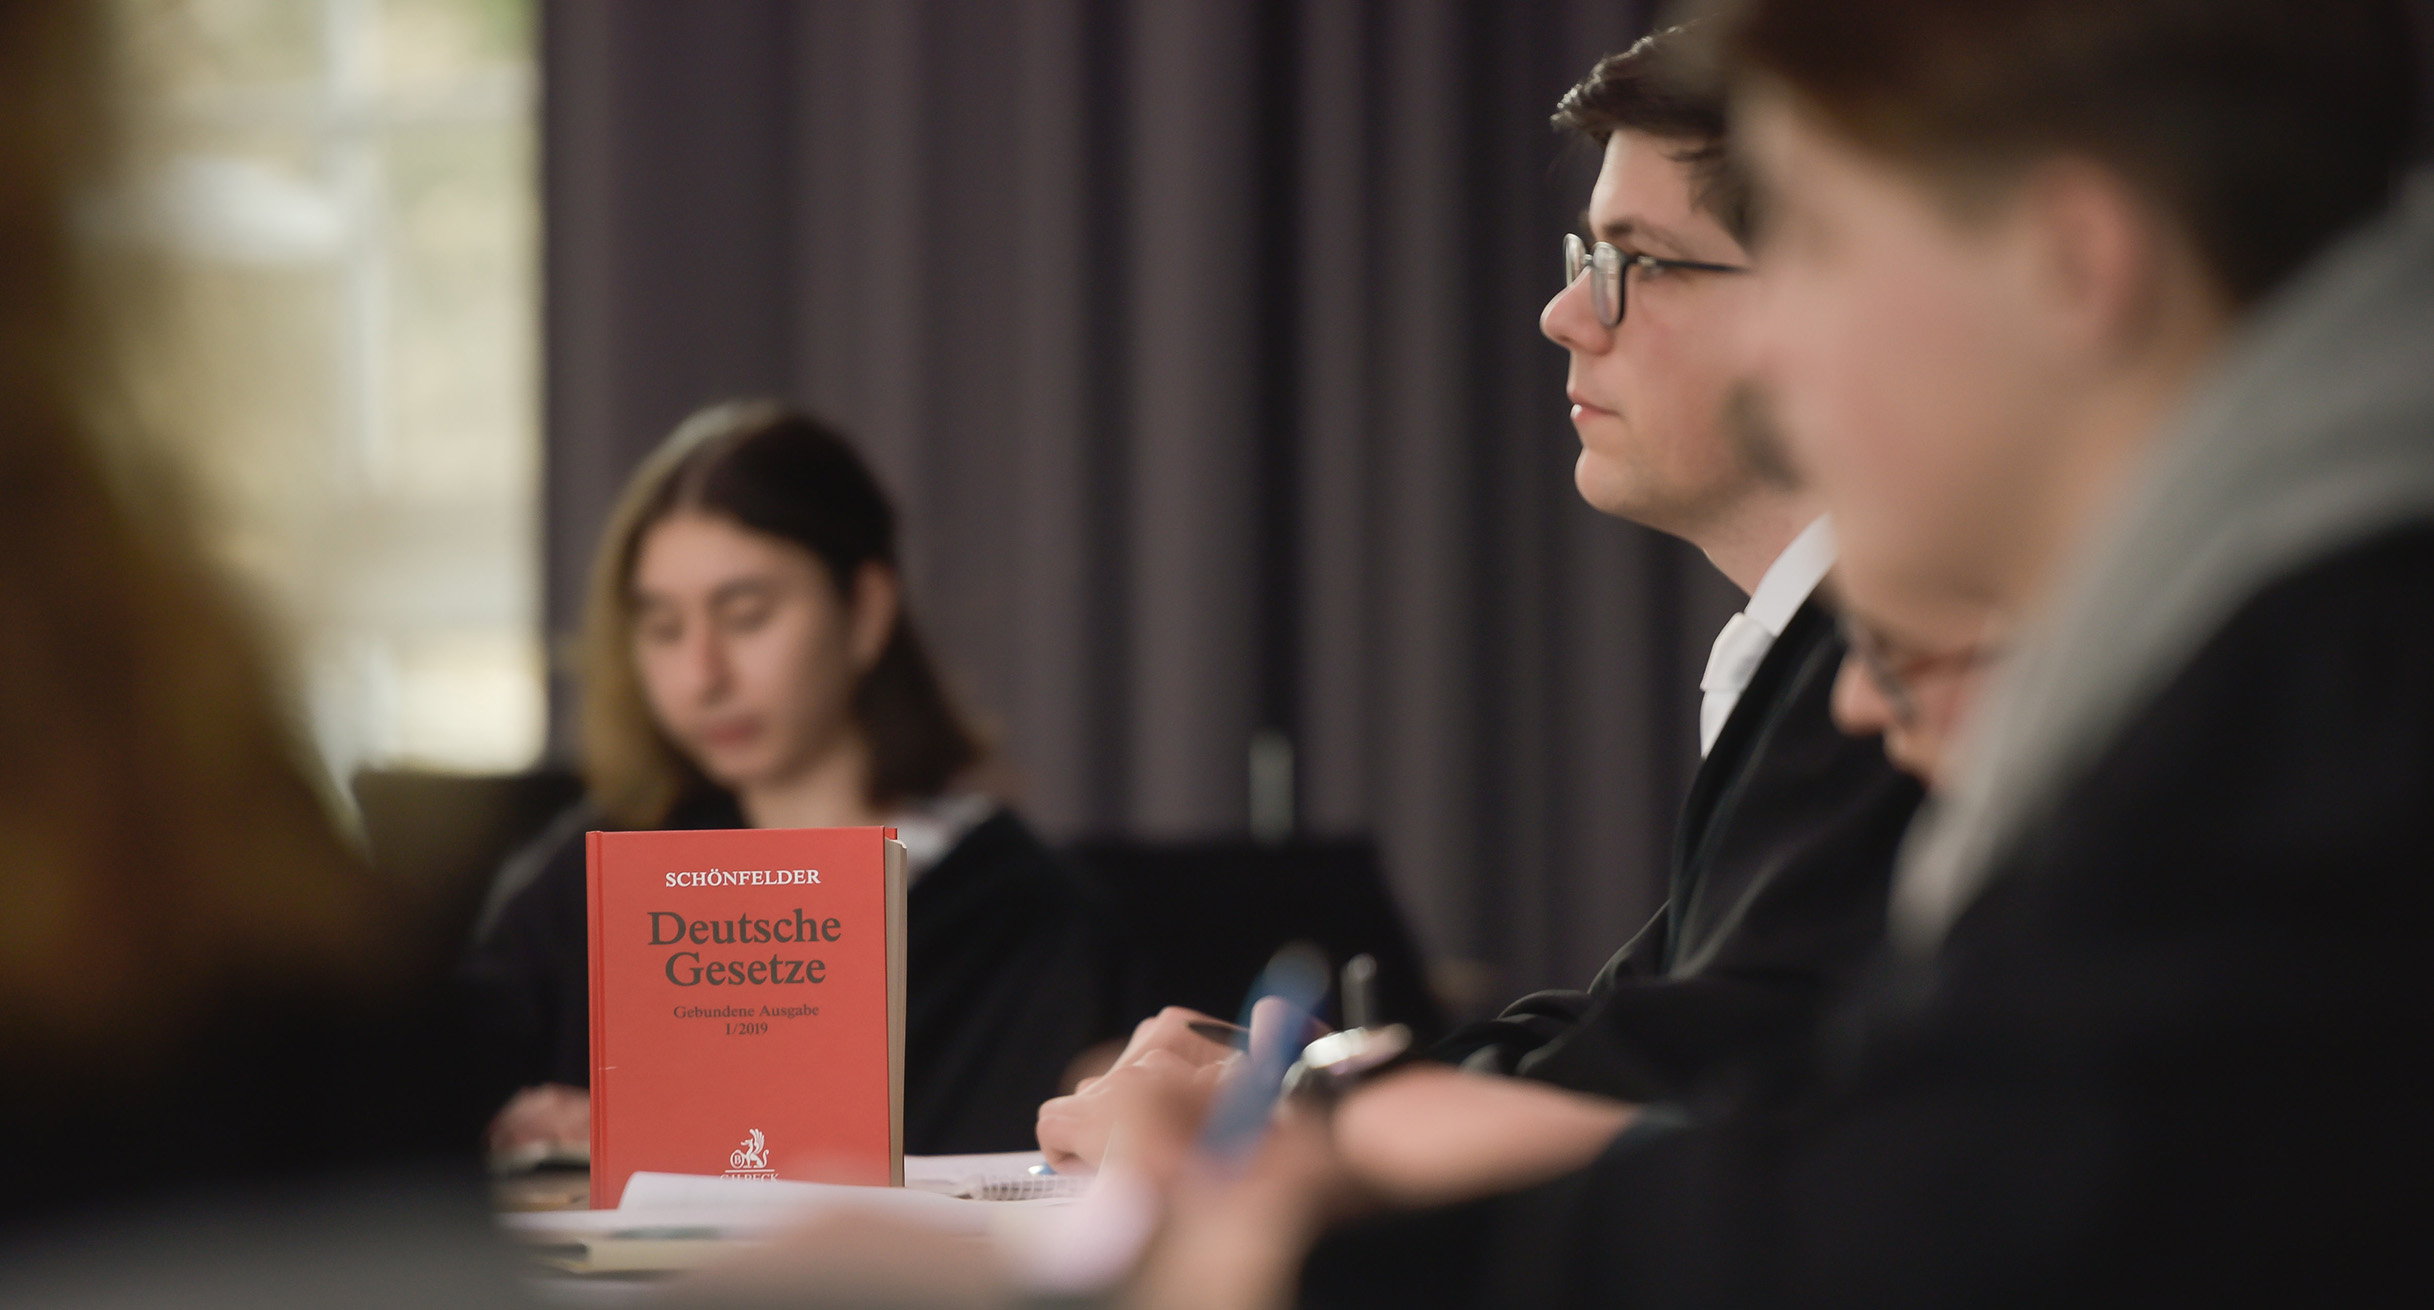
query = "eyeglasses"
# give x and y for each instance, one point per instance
(1896, 673)
(1606, 264)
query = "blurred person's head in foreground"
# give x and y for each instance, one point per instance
(2005, 240)
(189, 956)
(1652, 316)
(158, 836)
(748, 631)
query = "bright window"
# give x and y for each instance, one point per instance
(344, 196)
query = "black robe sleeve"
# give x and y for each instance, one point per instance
(1780, 868)
(1539, 1020)
(2168, 1056)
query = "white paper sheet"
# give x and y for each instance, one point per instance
(1004, 1176)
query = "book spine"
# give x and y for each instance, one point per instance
(592, 927)
(897, 877)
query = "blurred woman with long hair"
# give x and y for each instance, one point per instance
(749, 661)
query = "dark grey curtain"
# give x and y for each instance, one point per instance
(1198, 340)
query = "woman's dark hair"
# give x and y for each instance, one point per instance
(2263, 127)
(784, 475)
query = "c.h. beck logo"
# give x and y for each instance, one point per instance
(752, 1159)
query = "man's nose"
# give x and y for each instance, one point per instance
(1571, 322)
(1860, 709)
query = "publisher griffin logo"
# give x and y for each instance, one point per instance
(751, 1160)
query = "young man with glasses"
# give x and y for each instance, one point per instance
(1777, 885)
(1785, 843)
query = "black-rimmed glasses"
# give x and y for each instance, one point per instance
(1897, 673)
(1606, 264)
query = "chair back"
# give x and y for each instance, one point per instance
(441, 837)
(1201, 917)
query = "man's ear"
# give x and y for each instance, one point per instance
(877, 599)
(2104, 255)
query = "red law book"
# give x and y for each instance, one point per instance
(747, 1005)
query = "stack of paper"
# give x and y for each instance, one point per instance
(669, 1222)
(1007, 1176)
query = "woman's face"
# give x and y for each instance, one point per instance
(748, 653)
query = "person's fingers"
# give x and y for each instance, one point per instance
(512, 1126)
(1160, 1063)
(1072, 1132)
(1187, 1087)
(1157, 1106)
(1232, 1241)
(567, 1116)
(1171, 1029)
(1157, 1030)
(548, 1113)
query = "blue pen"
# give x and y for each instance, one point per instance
(1239, 1119)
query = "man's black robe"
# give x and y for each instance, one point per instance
(1012, 969)
(2172, 1054)
(1780, 867)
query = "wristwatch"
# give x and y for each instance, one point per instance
(1337, 1062)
